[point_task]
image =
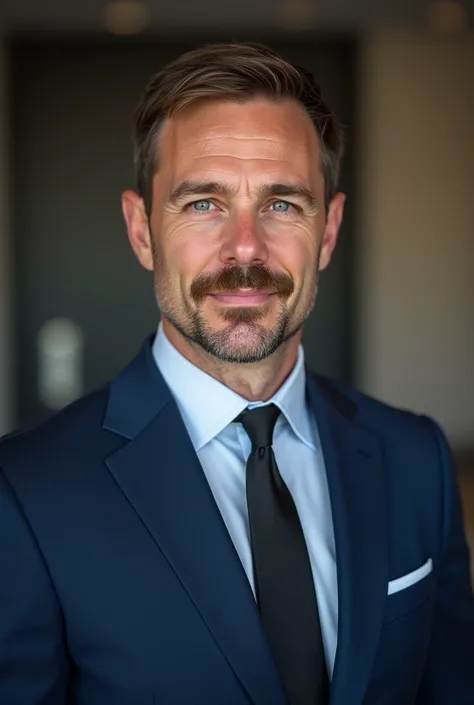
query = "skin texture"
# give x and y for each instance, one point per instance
(235, 253)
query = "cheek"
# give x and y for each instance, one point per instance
(184, 263)
(189, 247)
(298, 256)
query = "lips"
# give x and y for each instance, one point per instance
(243, 297)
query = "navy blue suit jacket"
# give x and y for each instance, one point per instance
(119, 584)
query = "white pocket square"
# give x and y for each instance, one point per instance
(410, 579)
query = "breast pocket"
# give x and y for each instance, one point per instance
(408, 593)
(404, 639)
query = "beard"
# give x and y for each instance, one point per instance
(244, 338)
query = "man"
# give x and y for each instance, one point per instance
(217, 525)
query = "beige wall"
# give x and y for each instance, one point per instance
(415, 259)
(416, 251)
(6, 391)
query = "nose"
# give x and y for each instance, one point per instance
(244, 241)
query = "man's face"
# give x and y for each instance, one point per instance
(238, 229)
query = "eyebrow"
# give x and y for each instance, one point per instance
(205, 188)
(198, 188)
(298, 190)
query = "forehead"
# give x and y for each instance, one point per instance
(247, 138)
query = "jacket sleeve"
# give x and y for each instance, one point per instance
(33, 660)
(449, 673)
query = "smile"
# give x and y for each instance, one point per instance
(243, 297)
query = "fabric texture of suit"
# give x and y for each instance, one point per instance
(119, 584)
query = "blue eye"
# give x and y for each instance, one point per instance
(281, 206)
(284, 207)
(201, 206)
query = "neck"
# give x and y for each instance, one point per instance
(256, 381)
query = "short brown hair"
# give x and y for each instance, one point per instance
(234, 72)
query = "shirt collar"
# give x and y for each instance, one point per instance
(291, 400)
(208, 406)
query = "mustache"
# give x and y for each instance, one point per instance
(232, 277)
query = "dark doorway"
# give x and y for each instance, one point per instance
(72, 104)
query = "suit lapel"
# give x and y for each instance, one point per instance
(358, 501)
(160, 474)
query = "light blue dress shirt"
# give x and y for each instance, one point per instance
(208, 409)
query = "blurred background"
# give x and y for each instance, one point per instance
(395, 316)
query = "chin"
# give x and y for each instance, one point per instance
(244, 335)
(242, 342)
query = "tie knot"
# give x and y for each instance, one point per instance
(259, 424)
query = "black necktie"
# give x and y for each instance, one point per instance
(282, 571)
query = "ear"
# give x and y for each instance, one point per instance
(138, 230)
(331, 231)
